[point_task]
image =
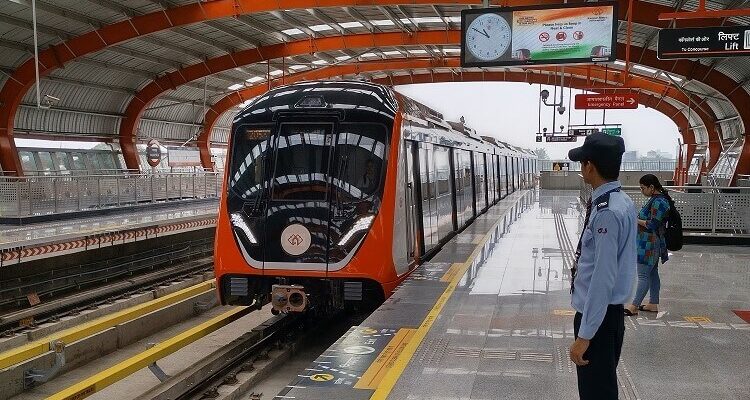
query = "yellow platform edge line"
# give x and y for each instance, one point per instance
(384, 361)
(393, 374)
(70, 335)
(121, 370)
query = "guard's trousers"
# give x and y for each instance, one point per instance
(598, 379)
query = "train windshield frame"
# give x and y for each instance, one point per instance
(354, 169)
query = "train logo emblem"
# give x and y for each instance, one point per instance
(295, 239)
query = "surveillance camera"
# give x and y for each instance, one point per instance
(562, 128)
(544, 93)
(561, 110)
(544, 130)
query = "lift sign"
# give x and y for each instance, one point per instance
(719, 41)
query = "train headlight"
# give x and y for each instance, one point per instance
(238, 221)
(360, 225)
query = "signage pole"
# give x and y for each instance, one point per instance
(626, 75)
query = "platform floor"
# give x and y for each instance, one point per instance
(48, 232)
(490, 318)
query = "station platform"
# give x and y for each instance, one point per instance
(46, 239)
(489, 317)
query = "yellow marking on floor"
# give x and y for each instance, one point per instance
(70, 335)
(451, 272)
(566, 313)
(393, 374)
(385, 360)
(697, 319)
(123, 369)
(321, 377)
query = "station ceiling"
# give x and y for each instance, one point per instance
(174, 69)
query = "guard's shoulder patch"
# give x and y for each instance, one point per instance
(602, 201)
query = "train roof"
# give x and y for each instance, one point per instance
(360, 101)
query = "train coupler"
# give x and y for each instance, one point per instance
(288, 298)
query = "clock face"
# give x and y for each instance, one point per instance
(488, 37)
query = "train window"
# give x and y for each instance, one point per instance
(27, 162)
(107, 161)
(95, 162)
(63, 161)
(358, 169)
(302, 155)
(78, 163)
(46, 163)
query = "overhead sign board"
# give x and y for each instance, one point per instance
(582, 131)
(539, 35)
(612, 131)
(719, 41)
(553, 139)
(183, 157)
(606, 101)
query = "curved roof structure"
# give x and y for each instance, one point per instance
(176, 70)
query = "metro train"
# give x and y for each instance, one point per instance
(336, 190)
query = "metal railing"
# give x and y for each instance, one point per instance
(643, 165)
(704, 209)
(41, 195)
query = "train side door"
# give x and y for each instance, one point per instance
(413, 213)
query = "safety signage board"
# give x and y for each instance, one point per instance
(606, 101)
(612, 131)
(552, 139)
(717, 41)
(582, 131)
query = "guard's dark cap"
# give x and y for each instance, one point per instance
(601, 149)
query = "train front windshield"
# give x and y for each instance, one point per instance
(329, 176)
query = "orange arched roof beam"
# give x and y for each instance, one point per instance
(171, 80)
(596, 73)
(56, 56)
(240, 96)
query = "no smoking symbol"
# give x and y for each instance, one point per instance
(561, 36)
(543, 37)
(577, 35)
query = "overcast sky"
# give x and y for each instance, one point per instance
(509, 111)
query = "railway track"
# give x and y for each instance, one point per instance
(101, 286)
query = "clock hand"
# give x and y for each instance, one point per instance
(482, 32)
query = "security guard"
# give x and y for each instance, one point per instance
(605, 268)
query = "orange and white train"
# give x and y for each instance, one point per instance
(335, 191)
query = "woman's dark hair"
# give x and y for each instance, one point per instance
(652, 180)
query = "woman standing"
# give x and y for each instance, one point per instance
(651, 244)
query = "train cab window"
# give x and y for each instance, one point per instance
(302, 155)
(360, 160)
(248, 161)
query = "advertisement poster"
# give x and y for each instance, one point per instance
(539, 35)
(569, 33)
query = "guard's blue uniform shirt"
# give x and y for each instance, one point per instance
(606, 269)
